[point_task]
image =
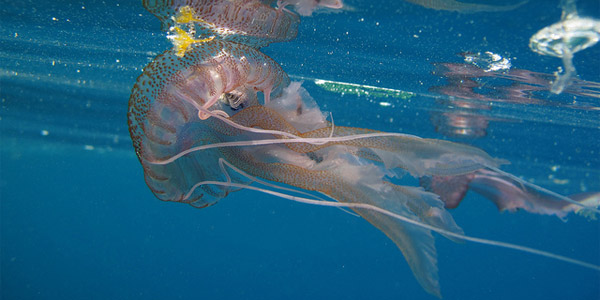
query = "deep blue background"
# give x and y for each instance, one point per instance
(78, 222)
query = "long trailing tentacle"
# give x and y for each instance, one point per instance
(321, 202)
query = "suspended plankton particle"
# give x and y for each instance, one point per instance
(563, 40)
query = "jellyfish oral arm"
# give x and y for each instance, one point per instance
(373, 208)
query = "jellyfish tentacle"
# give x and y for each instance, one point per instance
(418, 212)
(338, 177)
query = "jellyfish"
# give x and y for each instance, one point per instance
(218, 116)
(565, 38)
(198, 154)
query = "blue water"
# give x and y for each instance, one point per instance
(78, 222)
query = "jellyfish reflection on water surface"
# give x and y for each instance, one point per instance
(201, 132)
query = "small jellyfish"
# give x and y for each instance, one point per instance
(563, 39)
